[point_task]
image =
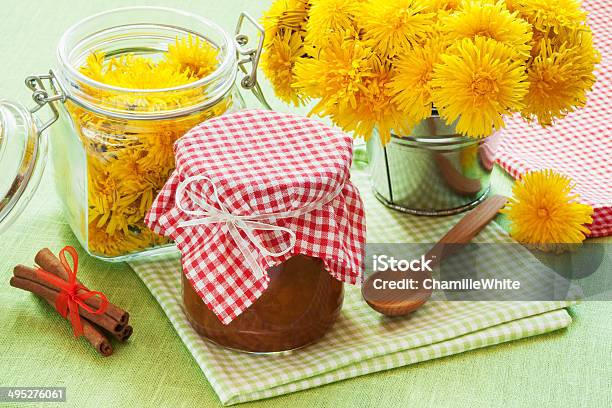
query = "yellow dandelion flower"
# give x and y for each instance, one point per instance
(544, 211)
(411, 85)
(159, 147)
(283, 15)
(394, 27)
(278, 63)
(567, 37)
(560, 76)
(192, 55)
(327, 17)
(375, 109)
(94, 66)
(102, 242)
(476, 84)
(337, 75)
(137, 72)
(546, 15)
(134, 172)
(490, 20)
(352, 84)
(107, 199)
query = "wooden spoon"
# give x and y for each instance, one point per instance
(399, 302)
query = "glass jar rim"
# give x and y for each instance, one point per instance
(63, 49)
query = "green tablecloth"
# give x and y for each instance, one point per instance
(567, 368)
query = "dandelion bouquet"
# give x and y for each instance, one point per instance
(387, 64)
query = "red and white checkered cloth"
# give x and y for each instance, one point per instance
(580, 145)
(261, 162)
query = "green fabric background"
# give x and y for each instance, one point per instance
(568, 368)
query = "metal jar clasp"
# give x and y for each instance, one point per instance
(45, 96)
(251, 56)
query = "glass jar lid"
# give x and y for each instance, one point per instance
(22, 157)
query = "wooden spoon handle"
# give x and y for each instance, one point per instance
(467, 228)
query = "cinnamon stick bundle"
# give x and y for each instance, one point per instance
(91, 333)
(50, 263)
(27, 277)
(114, 320)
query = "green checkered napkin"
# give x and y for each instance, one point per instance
(362, 341)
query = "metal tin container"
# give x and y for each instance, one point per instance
(432, 171)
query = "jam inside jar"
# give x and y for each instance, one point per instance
(299, 307)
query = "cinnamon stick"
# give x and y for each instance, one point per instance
(103, 320)
(50, 263)
(126, 333)
(94, 336)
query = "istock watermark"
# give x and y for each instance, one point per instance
(381, 263)
(487, 272)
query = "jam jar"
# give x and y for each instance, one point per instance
(300, 306)
(111, 144)
(269, 226)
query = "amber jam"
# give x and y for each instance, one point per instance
(300, 305)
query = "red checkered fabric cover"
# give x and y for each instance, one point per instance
(580, 145)
(260, 162)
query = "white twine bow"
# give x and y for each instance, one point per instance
(207, 214)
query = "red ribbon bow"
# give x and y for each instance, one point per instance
(72, 294)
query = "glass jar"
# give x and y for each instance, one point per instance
(300, 305)
(112, 147)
